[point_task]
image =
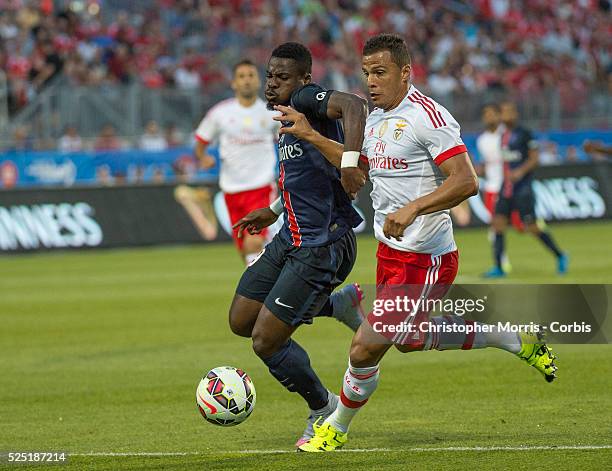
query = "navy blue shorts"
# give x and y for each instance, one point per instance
(522, 200)
(296, 282)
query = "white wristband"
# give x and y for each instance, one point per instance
(350, 159)
(277, 206)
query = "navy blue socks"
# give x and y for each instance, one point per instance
(548, 241)
(498, 249)
(291, 367)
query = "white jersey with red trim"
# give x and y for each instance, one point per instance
(404, 148)
(488, 145)
(246, 137)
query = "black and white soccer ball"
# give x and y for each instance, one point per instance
(226, 396)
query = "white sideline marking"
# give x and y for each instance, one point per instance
(355, 450)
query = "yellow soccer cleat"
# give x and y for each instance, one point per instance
(326, 438)
(537, 354)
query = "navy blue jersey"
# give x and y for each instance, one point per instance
(317, 209)
(516, 144)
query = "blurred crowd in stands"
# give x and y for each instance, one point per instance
(153, 139)
(457, 46)
(551, 154)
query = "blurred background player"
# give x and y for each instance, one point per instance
(488, 145)
(520, 154)
(293, 279)
(245, 131)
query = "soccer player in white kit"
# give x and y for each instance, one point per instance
(246, 133)
(419, 168)
(489, 147)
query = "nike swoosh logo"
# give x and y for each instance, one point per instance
(277, 301)
(213, 409)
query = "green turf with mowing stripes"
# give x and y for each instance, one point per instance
(102, 351)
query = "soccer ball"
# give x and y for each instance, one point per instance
(226, 396)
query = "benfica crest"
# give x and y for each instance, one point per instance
(398, 132)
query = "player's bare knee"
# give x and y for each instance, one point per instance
(242, 315)
(263, 342)
(259, 344)
(263, 346)
(499, 224)
(240, 328)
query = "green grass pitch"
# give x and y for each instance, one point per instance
(100, 352)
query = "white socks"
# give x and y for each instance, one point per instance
(358, 385)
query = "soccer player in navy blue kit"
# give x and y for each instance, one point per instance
(292, 280)
(520, 155)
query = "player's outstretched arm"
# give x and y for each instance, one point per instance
(460, 184)
(302, 129)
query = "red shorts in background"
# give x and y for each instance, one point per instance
(490, 200)
(242, 203)
(413, 276)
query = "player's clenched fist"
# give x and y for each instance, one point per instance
(255, 221)
(397, 222)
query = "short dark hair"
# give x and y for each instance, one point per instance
(296, 51)
(393, 43)
(241, 63)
